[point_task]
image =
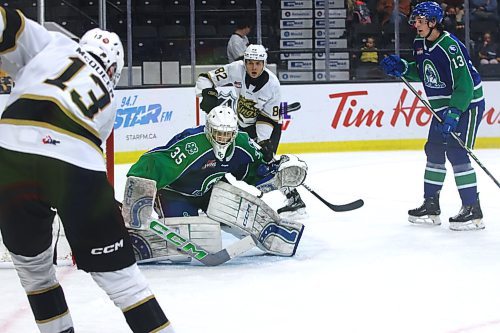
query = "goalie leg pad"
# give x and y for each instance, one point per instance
(249, 215)
(149, 247)
(138, 202)
(281, 239)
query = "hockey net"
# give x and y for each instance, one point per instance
(60, 244)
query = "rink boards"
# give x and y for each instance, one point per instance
(332, 117)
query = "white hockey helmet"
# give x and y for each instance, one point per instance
(221, 129)
(108, 47)
(255, 52)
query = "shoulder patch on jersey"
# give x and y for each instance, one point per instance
(431, 75)
(191, 148)
(453, 49)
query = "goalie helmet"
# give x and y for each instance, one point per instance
(107, 47)
(221, 129)
(431, 10)
(255, 52)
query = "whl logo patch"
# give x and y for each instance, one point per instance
(49, 141)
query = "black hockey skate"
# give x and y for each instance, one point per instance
(470, 217)
(428, 213)
(294, 203)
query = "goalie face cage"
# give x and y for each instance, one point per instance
(63, 251)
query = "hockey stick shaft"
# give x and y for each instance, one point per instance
(453, 134)
(337, 208)
(197, 252)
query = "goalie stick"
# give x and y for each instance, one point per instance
(336, 208)
(194, 251)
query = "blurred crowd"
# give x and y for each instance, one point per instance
(372, 26)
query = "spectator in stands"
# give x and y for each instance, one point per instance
(385, 10)
(484, 10)
(451, 22)
(454, 3)
(367, 61)
(238, 42)
(369, 53)
(359, 12)
(488, 50)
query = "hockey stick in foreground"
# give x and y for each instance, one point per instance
(453, 134)
(195, 251)
(336, 208)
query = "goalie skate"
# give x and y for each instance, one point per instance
(427, 213)
(295, 207)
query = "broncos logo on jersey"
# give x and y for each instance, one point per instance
(431, 76)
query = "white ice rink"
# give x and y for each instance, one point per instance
(363, 271)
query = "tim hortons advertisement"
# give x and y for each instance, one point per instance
(371, 116)
(316, 117)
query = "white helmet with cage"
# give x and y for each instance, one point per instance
(221, 129)
(255, 52)
(108, 47)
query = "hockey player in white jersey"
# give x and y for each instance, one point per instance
(55, 120)
(258, 106)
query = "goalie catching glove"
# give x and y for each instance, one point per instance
(288, 171)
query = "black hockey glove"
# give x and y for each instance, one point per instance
(267, 149)
(210, 99)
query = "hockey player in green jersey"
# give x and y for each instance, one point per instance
(453, 87)
(258, 107)
(179, 178)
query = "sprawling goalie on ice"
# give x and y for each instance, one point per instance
(186, 175)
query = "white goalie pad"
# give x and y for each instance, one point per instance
(138, 202)
(200, 230)
(246, 214)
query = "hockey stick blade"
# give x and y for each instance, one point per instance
(336, 208)
(197, 252)
(292, 107)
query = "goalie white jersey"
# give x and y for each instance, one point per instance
(74, 112)
(255, 96)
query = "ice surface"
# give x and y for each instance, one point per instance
(363, 271)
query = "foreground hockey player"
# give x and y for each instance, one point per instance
(51, 130)
(454, 89)
(258, 108)
(184, 172)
